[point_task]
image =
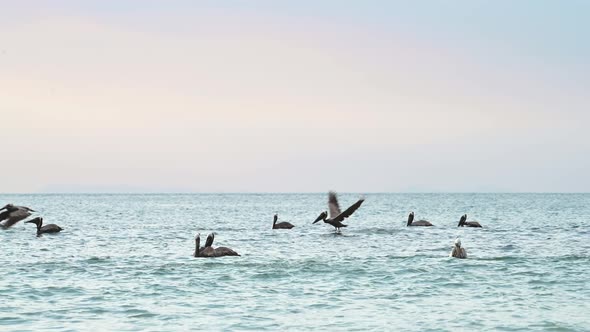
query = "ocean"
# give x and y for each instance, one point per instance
(124, 263)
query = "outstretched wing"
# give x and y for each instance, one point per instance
(26, 208)
(333, 205)
(348, 212)
(16, 216)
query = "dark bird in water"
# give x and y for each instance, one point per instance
(208, 250)
(411, 221)
(336, 217)
(50, 228)
(463, 222)
(457, 251)
(281, 225)
(13, 214)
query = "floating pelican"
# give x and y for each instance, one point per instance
(13, 214)
(281, 225)
(411, 221)
(463, 222)
(208, 250)
(336, 217)
(50, 228)
(457, 251)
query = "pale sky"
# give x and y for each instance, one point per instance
(294, 96)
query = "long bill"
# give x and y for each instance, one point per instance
(320, 217)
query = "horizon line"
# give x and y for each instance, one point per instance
(290, 192)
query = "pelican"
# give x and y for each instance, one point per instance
(50, 228)
(13, 214)
(281, 225)
(457, 251)
(208, 250)
(411, 221)
(336, 217)
(463, 222)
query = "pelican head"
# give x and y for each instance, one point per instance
(458, 243)
(209, 241)
(410, 219)
(197, 244)
(322, 216)
(37, 221)
(276, 217)
(7, 207)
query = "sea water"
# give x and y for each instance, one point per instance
(125, 263)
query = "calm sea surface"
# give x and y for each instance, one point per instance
(124, 263)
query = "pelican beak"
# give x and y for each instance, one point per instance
(320, 217)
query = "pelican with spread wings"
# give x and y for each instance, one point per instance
(13, 214)
(336, 216)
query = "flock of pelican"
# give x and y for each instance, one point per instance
(335, 219)
(11, 214)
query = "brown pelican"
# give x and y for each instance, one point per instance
(463, 222)
(336, 217)
(457, 251)
(13, 214)
(208, 250)
(281, 225)
(50, 228)
(411, 221)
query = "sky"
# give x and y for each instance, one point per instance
(294, 96)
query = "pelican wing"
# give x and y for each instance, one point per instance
(26, 208)
(473, 224)
(16, 216)
(4, 215)
(51, 228)
(207, 252)
(224, 251)
(348, 212)
(284, 225)
(333, 205)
